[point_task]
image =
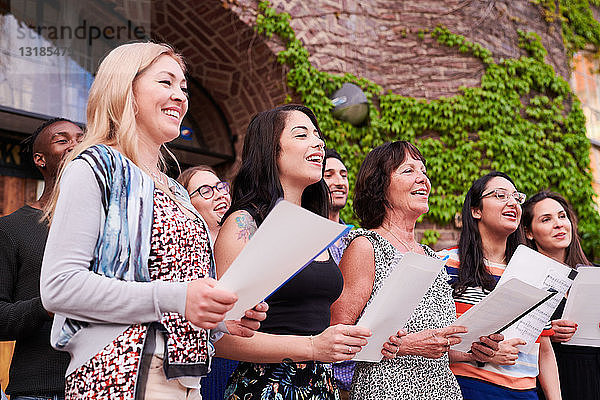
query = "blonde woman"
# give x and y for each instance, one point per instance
(128, 262)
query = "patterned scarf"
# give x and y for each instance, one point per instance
(123, 247)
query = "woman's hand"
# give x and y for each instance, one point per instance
(339, 343)
(392, 346)
(508, 352)
(563, 330)
(206, 306)
(486, 348)
(250, 322)
(431, 343)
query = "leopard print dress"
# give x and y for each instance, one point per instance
(408, 377)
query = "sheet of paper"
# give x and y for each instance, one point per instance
(499, 308)
(396, 300)
(289, 238)
(542, 272)
(583, 307)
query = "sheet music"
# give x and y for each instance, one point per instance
(499, 308)
(542, 272)
(396, 300)
(289, 238)
(583, 307)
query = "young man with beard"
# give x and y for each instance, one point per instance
(336, 178)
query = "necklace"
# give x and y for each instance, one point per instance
(158, 176)
(402, 242)
(503, 261)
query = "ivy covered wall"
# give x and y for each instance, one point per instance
(522, 119)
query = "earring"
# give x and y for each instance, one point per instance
(43, 166)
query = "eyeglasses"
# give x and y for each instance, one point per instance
(503, 195)
(207, 191)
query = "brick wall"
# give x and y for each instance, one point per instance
(376, 39)
(224, 55)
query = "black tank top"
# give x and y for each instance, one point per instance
(302, 305)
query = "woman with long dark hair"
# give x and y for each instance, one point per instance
(283, 158)
(550, 227)
(489, 236)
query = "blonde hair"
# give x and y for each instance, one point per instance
(111, 108)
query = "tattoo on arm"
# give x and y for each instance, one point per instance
(247, 226)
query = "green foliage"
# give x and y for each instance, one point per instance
(430, 237)
(578, 24)
(523, 120)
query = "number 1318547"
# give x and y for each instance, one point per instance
(44, 51)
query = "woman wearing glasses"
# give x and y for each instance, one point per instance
(490, 220)
(209, 195)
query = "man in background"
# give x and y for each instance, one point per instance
(336, 178)
(37, 371)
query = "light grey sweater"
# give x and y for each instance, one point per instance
(70, 290)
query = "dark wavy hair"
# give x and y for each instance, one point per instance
(574, 253)
(373, 180)
(257, 187)
(472, 271)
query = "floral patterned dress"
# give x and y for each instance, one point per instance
(408, 377)
(289, 381)
(180, 251)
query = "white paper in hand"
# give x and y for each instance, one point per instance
(583, 307)
(287, 240)
(397, 299)
(544, 273)
(502, 306)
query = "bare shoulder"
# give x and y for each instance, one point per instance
(358, 268)
(358, 256)
(241, 224)
(360, 247)
(236, 231)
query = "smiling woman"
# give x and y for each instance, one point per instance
(137, 274)
(283, 158)
(392, 192)
(490, 235)
(209, 195)
(550, 227)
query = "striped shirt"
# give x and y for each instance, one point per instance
(520, 376)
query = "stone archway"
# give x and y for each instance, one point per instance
(227, 58)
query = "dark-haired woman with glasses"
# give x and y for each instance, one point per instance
(490, 235)
(208, 194)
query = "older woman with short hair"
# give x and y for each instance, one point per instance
(392, 191)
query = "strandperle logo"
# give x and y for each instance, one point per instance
(83, 32)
